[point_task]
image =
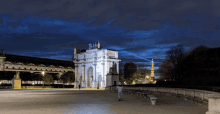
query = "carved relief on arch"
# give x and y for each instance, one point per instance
(89, 77)
(113, 69)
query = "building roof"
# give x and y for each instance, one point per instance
(37, 61)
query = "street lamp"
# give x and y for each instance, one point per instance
(43, 76)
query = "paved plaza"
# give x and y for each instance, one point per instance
(73, 101)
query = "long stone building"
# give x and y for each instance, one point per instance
(18, 64)
(96, 67)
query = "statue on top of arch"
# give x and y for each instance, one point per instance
(95, 45)
(2, 52)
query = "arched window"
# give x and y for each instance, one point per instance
(6, 66)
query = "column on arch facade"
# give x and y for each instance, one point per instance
(94, 75)
(103, 75)
(83, 76)
(117, 67)
(76, 76)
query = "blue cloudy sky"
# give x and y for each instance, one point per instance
(139, 29)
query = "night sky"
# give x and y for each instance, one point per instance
(139, 29)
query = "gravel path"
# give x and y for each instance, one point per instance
(65, 101)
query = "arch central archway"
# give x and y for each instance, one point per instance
(90, 77)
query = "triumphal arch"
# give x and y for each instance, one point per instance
(96, 67)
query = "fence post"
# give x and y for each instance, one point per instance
(202, 95)
(193, 94)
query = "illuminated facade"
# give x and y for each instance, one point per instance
(18, 64)
(96, 67)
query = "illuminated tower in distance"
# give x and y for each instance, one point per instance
(152, 68)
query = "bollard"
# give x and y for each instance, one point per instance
(213, 104)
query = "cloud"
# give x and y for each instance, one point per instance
(140, 30)
(146, 13)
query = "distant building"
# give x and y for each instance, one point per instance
(17, 63)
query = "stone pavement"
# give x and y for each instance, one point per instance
(74, 101)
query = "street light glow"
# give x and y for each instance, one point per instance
(43, 72)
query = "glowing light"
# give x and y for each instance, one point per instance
(43, 72)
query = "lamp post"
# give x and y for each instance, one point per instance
(43, 76)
